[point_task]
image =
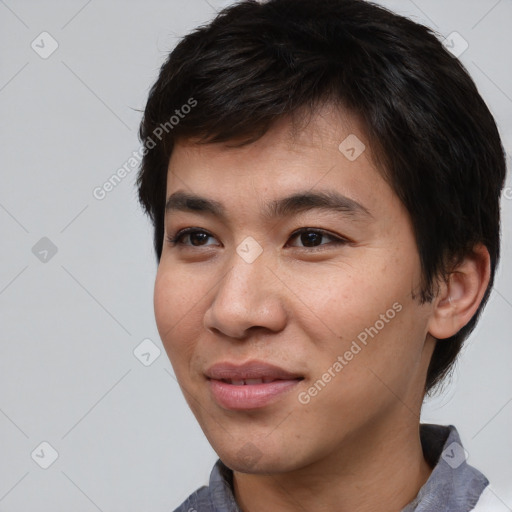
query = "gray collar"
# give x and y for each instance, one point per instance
(453, 485)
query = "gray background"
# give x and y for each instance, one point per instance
(70, 321)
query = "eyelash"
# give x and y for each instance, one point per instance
(337, 240)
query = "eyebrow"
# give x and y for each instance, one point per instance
(288, 206)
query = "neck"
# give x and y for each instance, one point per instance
(379, 469)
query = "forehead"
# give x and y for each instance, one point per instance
(326, 153)
(326, 128)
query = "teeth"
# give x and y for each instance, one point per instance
(253, 381)
(249, 382)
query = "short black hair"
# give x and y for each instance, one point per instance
(435, 139)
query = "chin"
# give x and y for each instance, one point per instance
(250, 458)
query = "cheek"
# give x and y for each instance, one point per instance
(165, 303)
(177, 301)
(369, 311)
(351, 298)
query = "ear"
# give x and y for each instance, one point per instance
(460, 294)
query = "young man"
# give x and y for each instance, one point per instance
(324, 181)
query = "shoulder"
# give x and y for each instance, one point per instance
(196, 502)
(490, 502)
(216, 496)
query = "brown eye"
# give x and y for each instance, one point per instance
(196, 237)
(313, 238)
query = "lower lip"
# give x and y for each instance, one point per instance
(251, 396)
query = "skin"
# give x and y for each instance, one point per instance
(354, 446)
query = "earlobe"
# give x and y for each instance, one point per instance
(461, 294)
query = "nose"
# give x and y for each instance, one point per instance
(248, 297)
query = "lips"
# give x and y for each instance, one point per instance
(249, 386)
(253, 370)
(249, 382)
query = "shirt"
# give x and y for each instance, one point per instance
(453, 485)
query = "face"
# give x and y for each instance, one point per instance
(289, 312)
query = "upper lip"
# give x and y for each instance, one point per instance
(248, 370)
